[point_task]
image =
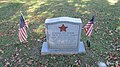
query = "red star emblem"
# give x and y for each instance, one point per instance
(63, 28)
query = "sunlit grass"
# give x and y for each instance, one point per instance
(35, 6)
(112, 2)
(85, 0)
(118, 28)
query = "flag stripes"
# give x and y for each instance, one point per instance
(22, 33)
(89, 27)
(88, 33)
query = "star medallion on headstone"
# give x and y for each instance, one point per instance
(63, 28)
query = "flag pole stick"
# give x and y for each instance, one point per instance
(88, 42)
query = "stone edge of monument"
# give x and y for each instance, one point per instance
(69, 19)
(45, 50)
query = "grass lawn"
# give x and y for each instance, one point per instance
(105, 38)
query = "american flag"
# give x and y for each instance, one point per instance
(89, 27)
(22, 33)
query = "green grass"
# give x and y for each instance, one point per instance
(106, 29)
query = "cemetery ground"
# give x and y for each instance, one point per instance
(105, 39)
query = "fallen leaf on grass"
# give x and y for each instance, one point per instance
(112, 56)
(1, 51)
(26, 66)
(38, 39)
(115, 40)
(16, 49)
(30, 61)
(116, 65)
(111, 32)
(32, 18)
(8, 45)
(78, 62)
(1, 34)
(7, 63)
(27, 21)
(40, 17)
(109, 63)
(1, 58)
(42, 65)
(29, 48)
(17, 54)
(118, 48)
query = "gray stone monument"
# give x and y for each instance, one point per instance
(63, 36)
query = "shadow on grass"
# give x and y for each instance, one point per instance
(62, 8)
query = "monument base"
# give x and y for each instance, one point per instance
(46, 51)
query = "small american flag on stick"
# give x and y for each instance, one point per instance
(89, 27)
(22, 33)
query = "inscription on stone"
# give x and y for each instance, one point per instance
(63, 35)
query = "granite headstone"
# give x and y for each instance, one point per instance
(63, 36)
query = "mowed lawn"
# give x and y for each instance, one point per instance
(105, 39)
